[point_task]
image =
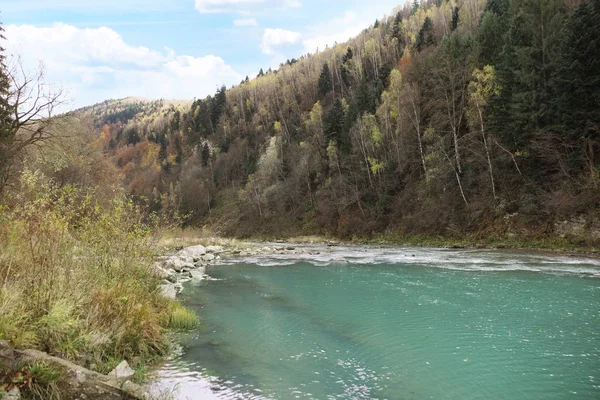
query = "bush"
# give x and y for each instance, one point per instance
(75, 278)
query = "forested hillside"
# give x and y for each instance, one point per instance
(448, 116)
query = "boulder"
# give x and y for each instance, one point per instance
(122, 371)
(134, 390)
(208, 257)
(13, 394)
(214, 249)
(195, 252)
(177, 264)
(168, 291)
(198, 275)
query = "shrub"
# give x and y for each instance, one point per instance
(75, 278)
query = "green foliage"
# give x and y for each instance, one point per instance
(425, 35)
(181, 318)
(76, 275)
(334, 127)
(325, 83)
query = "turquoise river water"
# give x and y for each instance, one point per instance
(393, 323)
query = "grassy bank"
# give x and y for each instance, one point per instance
(75, 280)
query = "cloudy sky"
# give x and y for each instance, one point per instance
(172, 49)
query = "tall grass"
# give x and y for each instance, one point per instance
(75, 278)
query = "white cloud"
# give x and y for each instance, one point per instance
(348, 26)
(96, 64)
(91, 6)
(242, 6)
(245, 22)
(337, 30)
(278, 37)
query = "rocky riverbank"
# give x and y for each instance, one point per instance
(190, 263)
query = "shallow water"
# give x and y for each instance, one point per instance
(393, 323)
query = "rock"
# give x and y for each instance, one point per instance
(172, 278)
(208, 257)
(122, 371)
(194, 252)
(178, 264)
(198, 275)
(134, 390)
(168, 291)
(214, 249)
(178, 287)
(13, 394)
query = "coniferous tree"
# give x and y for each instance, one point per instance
(334, 127)
(425, 35)
(218, 105)
(415, 7)
(455, 17)
(325, 84)
(7, 131)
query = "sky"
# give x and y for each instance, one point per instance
(96, 50)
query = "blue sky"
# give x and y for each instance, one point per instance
(178, 49)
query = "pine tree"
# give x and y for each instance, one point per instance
(205, 154)
(218, 105)
(577, 82)
(325, 84)
(425, 35)
(7, 130)
(455, 18)
(334, 127)
(415, 7)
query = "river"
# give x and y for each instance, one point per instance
(360, 322)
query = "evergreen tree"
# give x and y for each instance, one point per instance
(425, 35)
(7, 130)
(577, 80)
(205, 154)
(455, 18)
(260, 73)
(525, 71)
(218, 105)
(415, 7)
(325, 84)
(365, 101)
(334, 127)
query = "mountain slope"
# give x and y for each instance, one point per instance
(444, 118)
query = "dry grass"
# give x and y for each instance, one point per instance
(74, 277)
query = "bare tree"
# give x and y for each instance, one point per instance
(31, 104)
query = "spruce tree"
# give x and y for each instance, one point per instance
(334, 127)
(425, 35)
(577, 83)
(325, 84)
(455, 18)
(7, 129)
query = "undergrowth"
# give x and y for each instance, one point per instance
(75, 278)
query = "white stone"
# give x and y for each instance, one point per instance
(208, 257)
(198, 275)
(168, 291)
(122, 371)
(194, 252)
(178, 264)
(14, 394)
(214, 249)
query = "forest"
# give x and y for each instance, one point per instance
(446, 117)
